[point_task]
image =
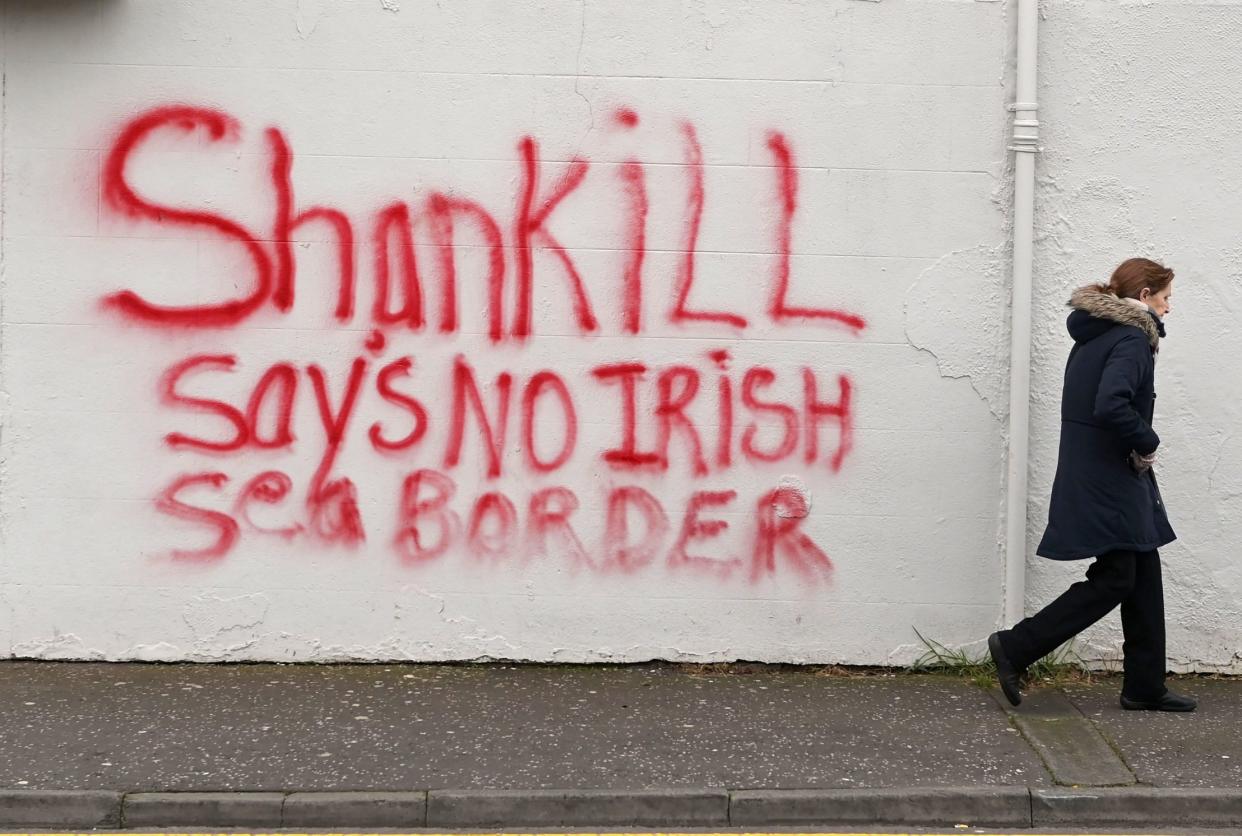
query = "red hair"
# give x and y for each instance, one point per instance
(1134, 274)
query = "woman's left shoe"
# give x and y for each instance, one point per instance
(1169, 702)
(1008, 677)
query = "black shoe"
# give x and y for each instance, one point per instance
(1006, 673)
(1169, 702)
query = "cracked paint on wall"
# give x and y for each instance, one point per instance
(958, 312)
(216, 618)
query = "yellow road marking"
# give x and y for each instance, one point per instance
(930, 832)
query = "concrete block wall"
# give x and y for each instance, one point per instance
(790, 216)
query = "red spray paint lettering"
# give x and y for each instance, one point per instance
(699, 417)
(275, 272)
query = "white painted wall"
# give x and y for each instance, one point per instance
(894, 112)
(1140, 109)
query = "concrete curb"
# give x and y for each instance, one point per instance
(59, 808)
(1011, 807)
(203, 809)
(355, 809)
(1131, 806)
(577, 808)
(982, 806)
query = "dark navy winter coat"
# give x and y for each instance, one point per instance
(1099, 502)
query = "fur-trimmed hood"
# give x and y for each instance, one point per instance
(1106, 309)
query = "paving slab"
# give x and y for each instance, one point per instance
(177, 728)
(1202, 748)
(1070, 745)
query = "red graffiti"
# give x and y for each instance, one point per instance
(477, 414)
(400, 294)
(762, 378)
(335, 421)
(627, 455)
(530, 224)
(395, 219)
(780, 515)
(635, 526)
(694, 527)
(415, 508)
(492, 430)
(685, 277)
(384, 384)
(119, 196)
(632, 417)
(289, 221)
(553, 382)
(226, 528)
(677, 387)
(839, 412)
(622, 550)
(441, 210)
(779, 309)
(724, 400)
(636, 246)
(282, 379)
(625, 117)
(492, 531)
(270, 487)
(550, 510)
(171, 397)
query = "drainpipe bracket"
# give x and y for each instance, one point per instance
(1025, 128)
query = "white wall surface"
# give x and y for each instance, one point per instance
(894, 115)
(1140, 110)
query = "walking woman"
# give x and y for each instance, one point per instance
(1105, 501)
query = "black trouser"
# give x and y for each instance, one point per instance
(1131, 579)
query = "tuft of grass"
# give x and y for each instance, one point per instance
(1061, 667)
(942, 659)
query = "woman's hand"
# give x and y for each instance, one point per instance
(1140, 463)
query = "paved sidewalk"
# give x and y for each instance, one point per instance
(660, 745)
